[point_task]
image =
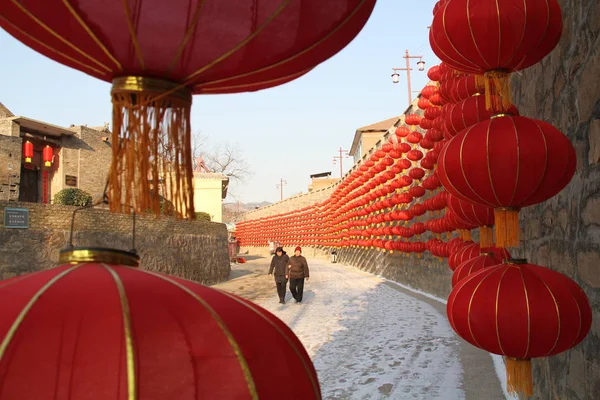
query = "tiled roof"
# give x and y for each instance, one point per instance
(380, 126)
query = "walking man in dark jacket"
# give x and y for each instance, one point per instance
(279, 265)
(298, 270)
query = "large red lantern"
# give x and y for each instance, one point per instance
(99, 328)
(157, 54)
(493, 39)
(520, 311)
(512, 162)
(28, 151)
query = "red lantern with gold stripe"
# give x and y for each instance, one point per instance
(469, 112)
(493, 39)
(157, 54)
(476, 214)
(512, 162)
(99, 328)
(520, 311)
(488, 257)
(28, 151)
(47, 156)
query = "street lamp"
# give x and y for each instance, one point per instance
(396, 76)
(343, 154)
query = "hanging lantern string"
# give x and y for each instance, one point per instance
(103, 200)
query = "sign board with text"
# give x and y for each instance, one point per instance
(70, 180)
(17, 218)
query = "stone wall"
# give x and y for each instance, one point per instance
(194, 250)
(86, 156)
(290, 204)
(10, 163)
(564, 232)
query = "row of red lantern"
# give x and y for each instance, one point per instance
(496, 159)
(364, 201)
(47, 154)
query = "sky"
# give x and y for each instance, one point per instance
(288, 132)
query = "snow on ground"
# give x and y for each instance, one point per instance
(369, 340)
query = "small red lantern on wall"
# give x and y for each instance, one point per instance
(47, 156)
(28, 151)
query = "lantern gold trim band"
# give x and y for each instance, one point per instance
(144, 84)
(79, 255)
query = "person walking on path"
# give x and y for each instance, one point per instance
(298, 270)
(279, 265)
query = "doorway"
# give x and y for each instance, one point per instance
(29, 190)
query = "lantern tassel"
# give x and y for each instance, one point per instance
(498, 93)
(508, 232)
(486, 236)
(151, 147)
(518, 374)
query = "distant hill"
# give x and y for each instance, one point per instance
(232, 210)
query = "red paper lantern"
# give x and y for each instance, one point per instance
(402, 131)
(487, 258)
(495, 38)
(47, 156)
(416, 191)
(475, 214)
(433, 112)
(428, 91)
(105, 329)
(469, 112)
(414, 155)
(512, 162)
(28, 151)
(434, 73)
(423, 103)
(462, 254)
(416, 173)
(412, 119)
(157, 54)
(520, 311)
(414, 137)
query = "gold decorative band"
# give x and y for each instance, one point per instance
(130, 84)
(78, 255)
(515, 261)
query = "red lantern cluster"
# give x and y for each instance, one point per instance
(382, 204)
(492, 163)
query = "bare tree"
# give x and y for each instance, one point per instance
(226, 158)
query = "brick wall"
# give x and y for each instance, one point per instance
(194, 250)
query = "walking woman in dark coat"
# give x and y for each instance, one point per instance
(298, 272)
(279, 265)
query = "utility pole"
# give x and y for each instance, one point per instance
(343, 154)
(280, 186)
(396, 76)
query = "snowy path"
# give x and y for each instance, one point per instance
(368, 338)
